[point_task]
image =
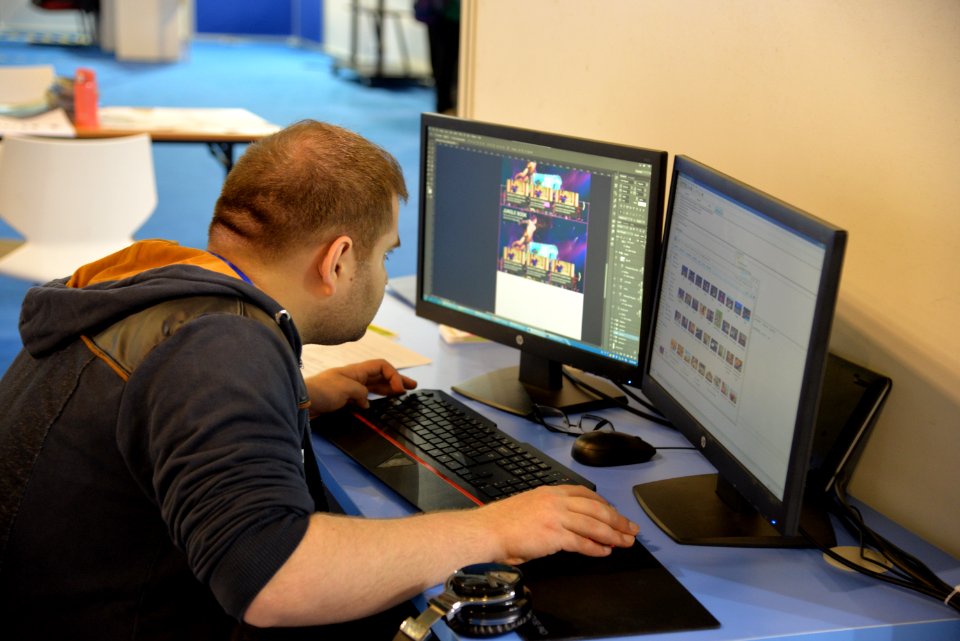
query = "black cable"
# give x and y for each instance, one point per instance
(639, 399)
(878, 542)
(881, 576)
(900, 567)
(902, 564)
(905, 562)
(613, 401)
(871, 573)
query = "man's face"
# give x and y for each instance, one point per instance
(372, 276)
(361, 297)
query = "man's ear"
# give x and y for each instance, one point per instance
(334, 263)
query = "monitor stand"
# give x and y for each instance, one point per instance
(700, 510)
(705, 510)
(537, 380)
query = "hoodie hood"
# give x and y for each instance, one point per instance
(147, 273)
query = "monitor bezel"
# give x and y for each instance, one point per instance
(524, 341)
(783, 514)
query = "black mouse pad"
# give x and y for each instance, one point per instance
(628, 592)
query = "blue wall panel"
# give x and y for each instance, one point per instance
(248, 17)
(311, 20)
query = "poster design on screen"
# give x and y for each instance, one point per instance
(544, 210)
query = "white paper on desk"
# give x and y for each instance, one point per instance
(201, 120)
(317, 358)
(49, 123)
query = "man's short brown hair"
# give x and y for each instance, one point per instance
(307, 183)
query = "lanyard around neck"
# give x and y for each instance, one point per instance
(236, 269)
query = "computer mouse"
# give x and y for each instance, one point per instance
(603, 449)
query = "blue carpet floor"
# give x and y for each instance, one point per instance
(280, 82)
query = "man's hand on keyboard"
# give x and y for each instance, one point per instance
(333, 388)
(554, 518)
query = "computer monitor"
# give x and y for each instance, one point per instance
(738, 348)
(543, 242)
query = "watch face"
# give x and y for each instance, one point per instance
(486, 581)
(492, 600)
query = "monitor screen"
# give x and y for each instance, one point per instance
(543, 242)
(737, 353)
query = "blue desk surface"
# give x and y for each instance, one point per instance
(754, 593)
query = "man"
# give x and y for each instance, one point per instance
(442, 19)
(155, 465)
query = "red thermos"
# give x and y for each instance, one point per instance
(85, 99)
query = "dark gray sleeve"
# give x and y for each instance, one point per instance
(210, 426)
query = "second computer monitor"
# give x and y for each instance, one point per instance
(543, 242)
(739, 342)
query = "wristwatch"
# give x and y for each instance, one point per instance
(480, 600)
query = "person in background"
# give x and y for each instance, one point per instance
(442, 18)
(157, 479)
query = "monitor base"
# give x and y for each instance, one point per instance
(689, 509)
(504, 390)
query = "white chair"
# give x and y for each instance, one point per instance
(24, 87)
(74, 201)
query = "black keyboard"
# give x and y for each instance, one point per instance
(439, 453)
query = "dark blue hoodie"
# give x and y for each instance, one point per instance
(152, 475)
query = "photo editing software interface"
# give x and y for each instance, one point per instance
(546, 241)
(739, 335)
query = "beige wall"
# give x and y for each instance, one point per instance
(849, 109)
